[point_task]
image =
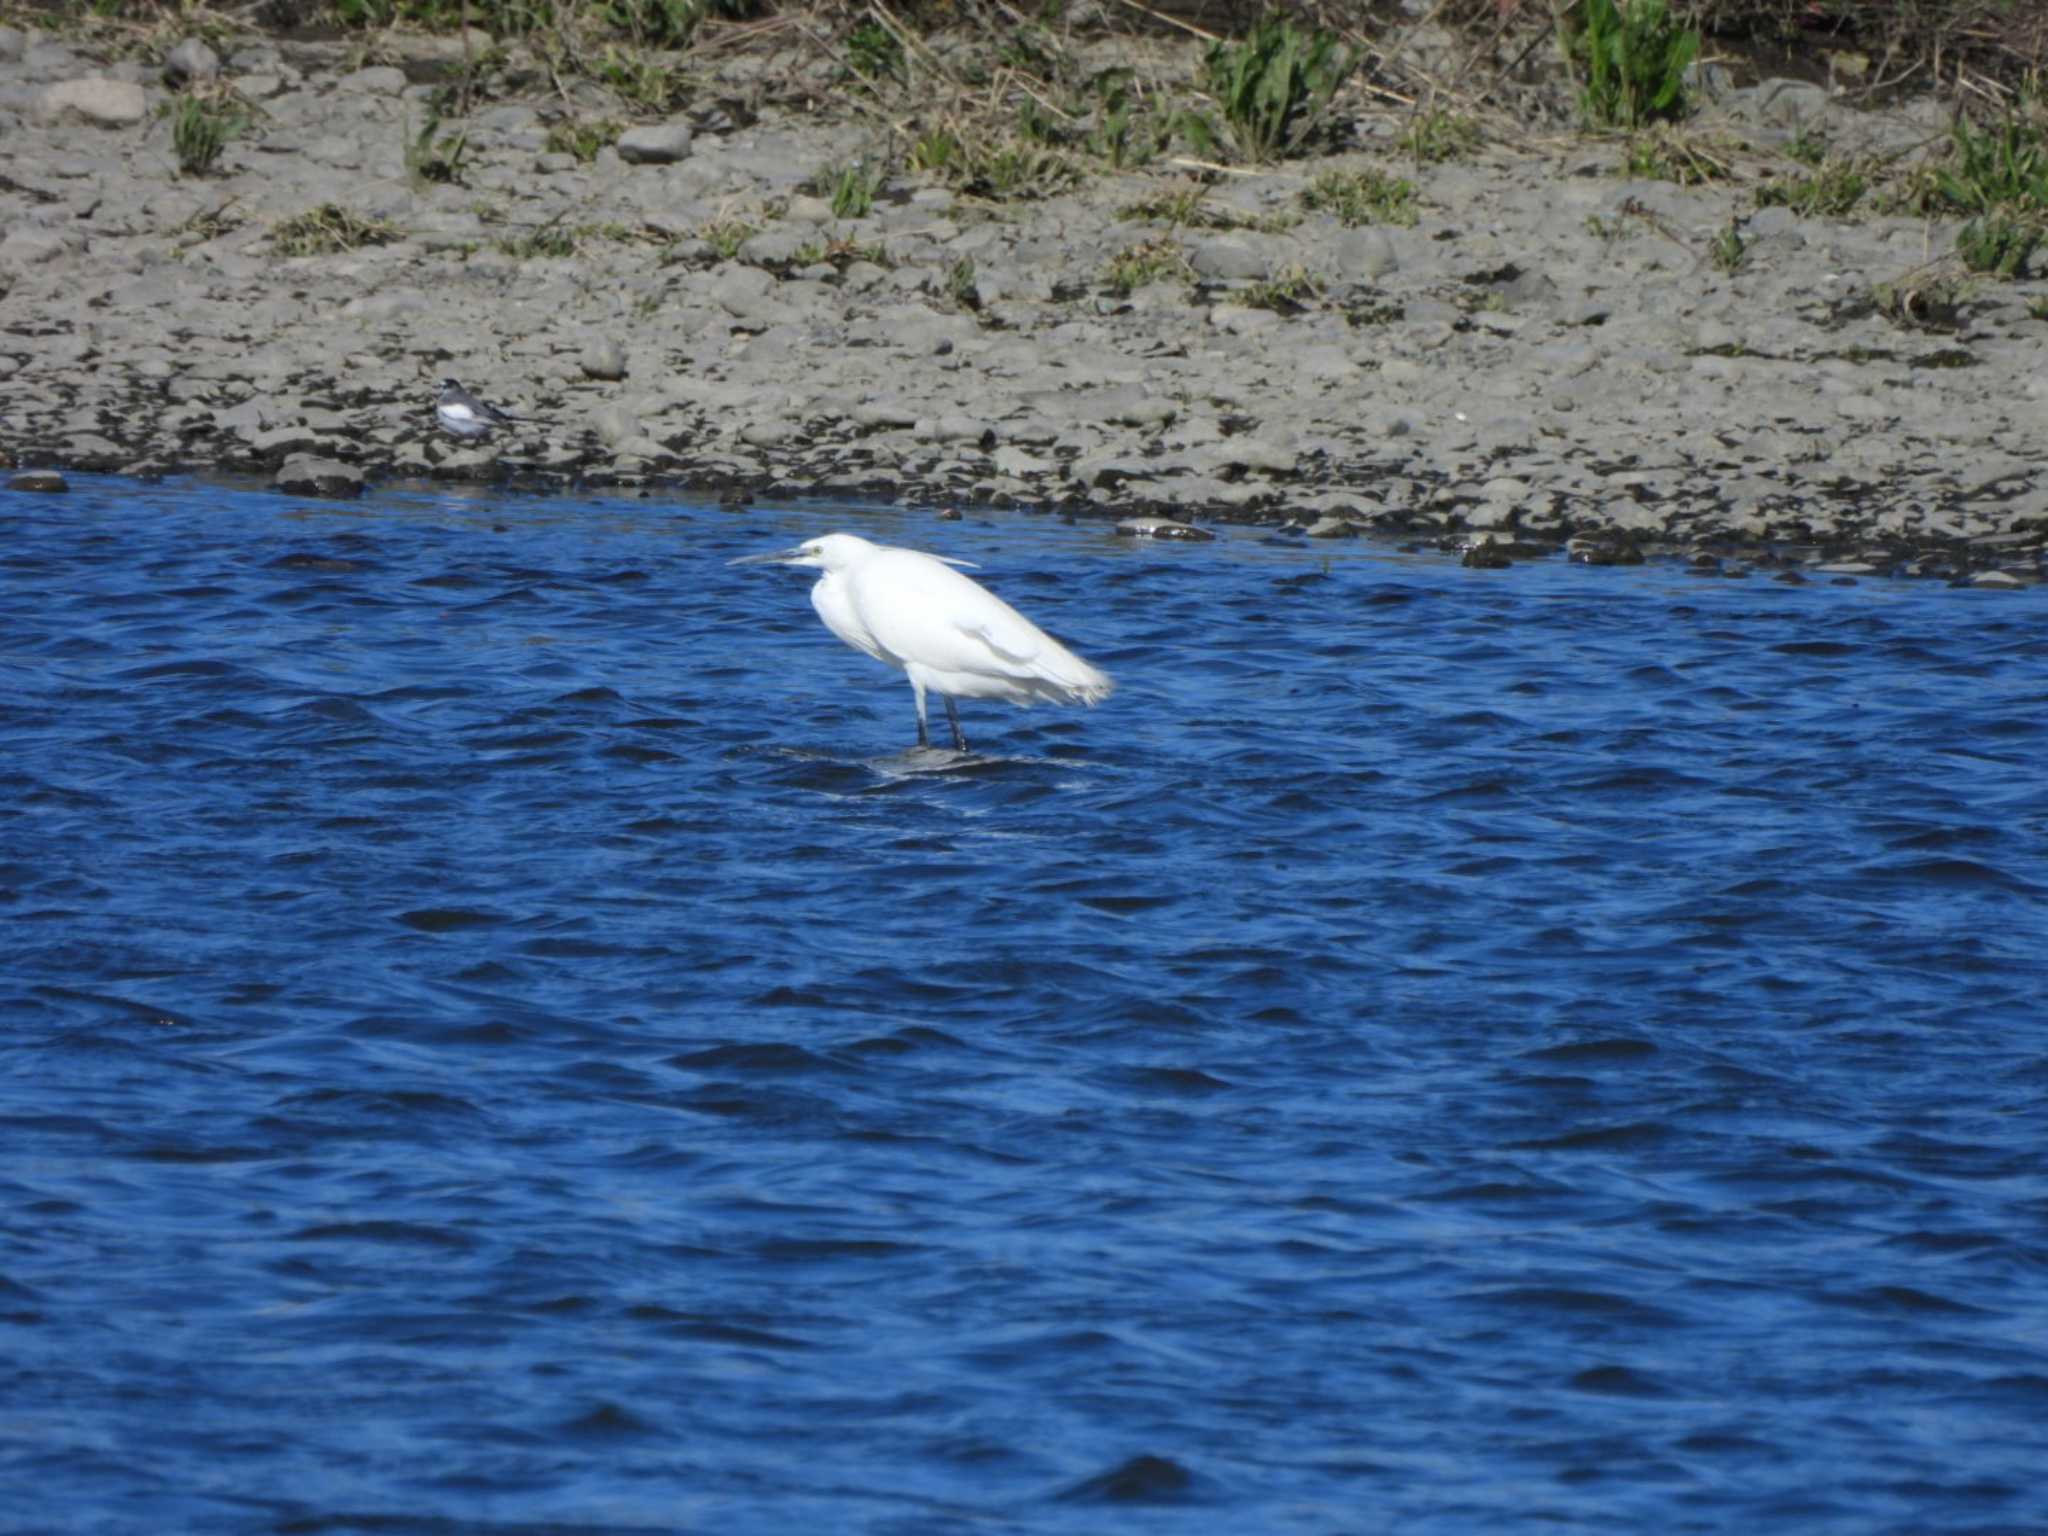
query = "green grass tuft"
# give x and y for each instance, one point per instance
(1362, 197)
(329, 229)
(1631, 61)
(201, 125)
(1274, 87)
(1138, 266)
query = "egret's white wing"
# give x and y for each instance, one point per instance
(830, 596)
(922, 611)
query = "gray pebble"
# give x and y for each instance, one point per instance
(604, 358)
(378, 80)
(191, 62)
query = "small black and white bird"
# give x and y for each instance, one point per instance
(461, 414)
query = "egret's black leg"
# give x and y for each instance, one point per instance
(953, 719)
(923, 736)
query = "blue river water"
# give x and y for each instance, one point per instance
(498, 1034)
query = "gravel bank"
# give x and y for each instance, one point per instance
(1548, 357)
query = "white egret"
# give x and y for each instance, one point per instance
(947, 632)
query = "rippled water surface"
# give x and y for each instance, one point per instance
(500, 1035)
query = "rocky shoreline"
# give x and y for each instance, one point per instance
(1551, 357)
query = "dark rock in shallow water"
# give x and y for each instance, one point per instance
(319, 477)
(1484, 555)
(1140, 1480)
(1614, 551)
(39, 480)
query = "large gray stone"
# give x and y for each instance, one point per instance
(378, 80)
(604, 358)
(654, 144)
(1229, 257)
(191, 62)
(32, 246)
(106, 103)
(1364, 255)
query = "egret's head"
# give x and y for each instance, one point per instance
(827, 552)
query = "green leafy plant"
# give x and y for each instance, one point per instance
(2000, 243)
(725, 235)
(1665, 153)
(1831, 190)
(960, 286)
(1807, 147)
(1361, 197)
(1729, 252)
(939, 149)
(328, 229)
(996, 168)
(1154, 261)
(1992, 166)
(1187, 207)
(640, 80)
(1998, 175)
(1631, 61)
(656, 23)
(201, 126)
(1037, 123)
(838, 253)
(1274, 87)
(874, 54)
(851, 188)
(1176, 206)
(1288, 290)
(1438, 135)
(431, 155)
(649, 23)
(582, 137)
(1118, 132)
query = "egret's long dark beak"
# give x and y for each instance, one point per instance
(780, 557)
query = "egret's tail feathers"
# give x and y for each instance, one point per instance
(1079, 683)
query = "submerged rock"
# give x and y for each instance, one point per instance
(38, 480)
(1483, 554)
(1608, 551)
(306, 476)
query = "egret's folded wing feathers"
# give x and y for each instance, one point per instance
(1019, 643)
